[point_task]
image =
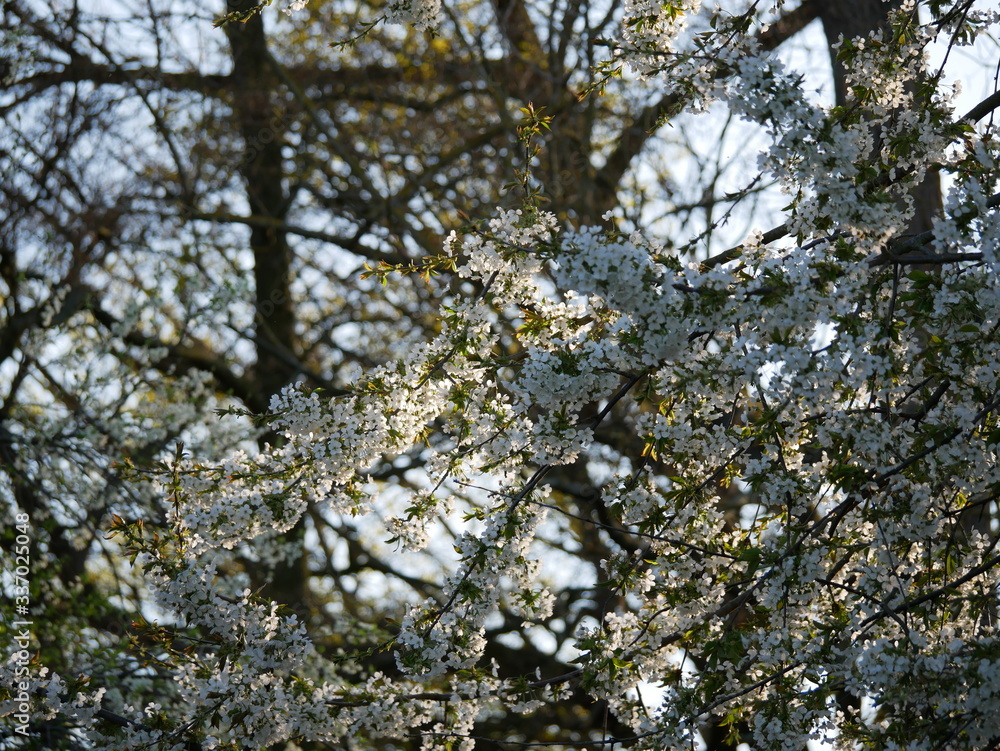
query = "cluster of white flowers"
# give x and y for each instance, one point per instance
(295, 6)
(422, 14)
(650, 29)
(817, 442)
(437, 638)
(853, 459)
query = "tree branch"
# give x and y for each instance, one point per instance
(634, 137)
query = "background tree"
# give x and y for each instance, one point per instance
(184, 237)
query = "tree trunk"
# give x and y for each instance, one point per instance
(858, 18)
(254, 83)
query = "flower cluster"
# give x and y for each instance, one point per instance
(798, 522)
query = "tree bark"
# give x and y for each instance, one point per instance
(254, 83)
